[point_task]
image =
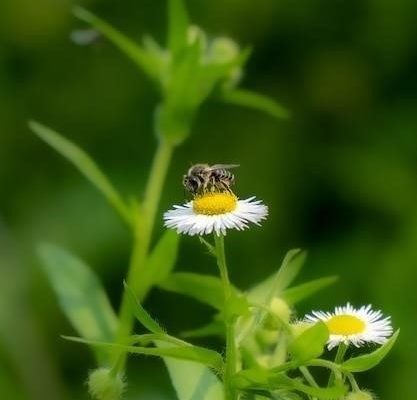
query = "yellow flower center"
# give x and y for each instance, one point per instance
(345, 325)
(214, 203)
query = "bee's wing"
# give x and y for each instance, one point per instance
(223, 166)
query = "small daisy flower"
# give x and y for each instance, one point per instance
(349, 325)
(215, 212)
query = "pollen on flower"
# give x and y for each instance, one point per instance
(215, 203)
(345, 325)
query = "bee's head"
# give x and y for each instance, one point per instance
(191, 183)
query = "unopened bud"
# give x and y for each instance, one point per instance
(103, 385)
(360, 395)
(223, 50)
(281, 309)
(195, 33)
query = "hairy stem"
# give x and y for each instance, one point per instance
(230, 367)
(143, 228)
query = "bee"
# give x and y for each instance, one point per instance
(201, 178)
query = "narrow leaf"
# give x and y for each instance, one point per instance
(333, 392)
(80, 294)
(133, 50)
(207, 289)
(368, 361)
(276, 283)
(247, 98)
(193, 381)
(310, 344)
(150, 338)
(254, 379)
(191, 353)
(295, 294)
(178, 25)
(160, 262)
(141, 314)
(214, 328)
(83, 162)
(163, 257)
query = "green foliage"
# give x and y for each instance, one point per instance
(143, 59)
(207, 289)
(246, 98)
(295, 294)
(276, 283)
(213, 328)
(80, 294)
(262, 357)
(83, 162)
(251, 380)
(187, 73)
(368, 361)
(160, 262)
(141, 314)
(194, 381)
(185, 352)
(178, 26)
(309, 344)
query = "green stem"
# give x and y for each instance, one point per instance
(324, 364)
(341, 351)
(309, 378)
(230, 367)
(354, 385)
(143, 228)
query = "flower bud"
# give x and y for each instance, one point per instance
(360, 395)
(103, 385)
(223, 50)
(195, 33)
(281, 309)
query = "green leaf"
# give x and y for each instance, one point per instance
(141, 314)
(187, 352)
(247, 98)
(160, 262)
(163, 257)
(214, 328)
(193, 381)
(178, 26)
(310, 344)
(207, 289)
(276, 283)
(83, 162)
(261, 378)
(333, 392)
(150, 338)
(368, 361)
(295, 294)
(146, 61)
(80, 294)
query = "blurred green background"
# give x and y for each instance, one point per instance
(340, 176)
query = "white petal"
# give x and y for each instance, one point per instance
(185, 220)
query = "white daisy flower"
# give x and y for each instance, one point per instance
(215, 212)
(349, 325)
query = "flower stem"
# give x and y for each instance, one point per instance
(353, 383)
(230, 367)
(341, 351)
(309, 378)
(142, 234)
